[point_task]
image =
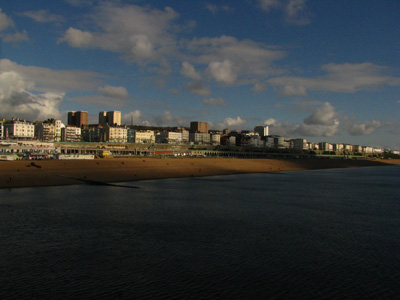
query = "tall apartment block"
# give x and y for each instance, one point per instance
(77, 118)
(112, 118)
(263, 131)
(199, 127)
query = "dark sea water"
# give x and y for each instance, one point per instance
(324, 234)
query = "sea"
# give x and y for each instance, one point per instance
(318, 234)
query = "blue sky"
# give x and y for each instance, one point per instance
(320, 70)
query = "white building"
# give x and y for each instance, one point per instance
(1, 130)
(19, 129)
(200, 138)
(299, 144)
(338, 147)
(325, 146)
(169, 137)
(262, 130)
(115, 134)
(367, 149)
(71, 134)
(112, 118)
(144, 136)
(215, 139)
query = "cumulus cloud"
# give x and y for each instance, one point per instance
(357, 128)
(16, 37)
(229, 60)
(43, 16)
(132, 118)
(16, 101)
(344, 78)
(294, 11)
(49, 80)
(5, 21)
(113, 91)
(270, 121)
(324, 115)
(232, 123)
(322, 122)
(215, 8)
(214, 101)
(35, 93)
(222, 71)
(167, 119)
(199, 88)
(188, 70)
(139, 33)
(77, 38)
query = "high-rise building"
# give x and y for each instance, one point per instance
(262, 130)
(112, 118)
(77, 118)
(201, 127)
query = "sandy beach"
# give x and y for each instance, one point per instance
(66, 172)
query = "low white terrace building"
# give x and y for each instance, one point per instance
(200, 138)
(19, 129)
(144, 136)
(115, 134)
(71, 134)
(169, 137)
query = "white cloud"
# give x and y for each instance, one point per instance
(344, 78)
(267, 5)
(322, 122)
(215, 8)
(215, 101)
(16, 101)
(232, 123)
(294, 11)
(357, 128)
(230, 60)
(5, 21)
(132, 118)
(49, 80)
(324, 115)
(167, 119)
(113, 91)
(16, 37)
(198, 88)
(222, 71)
(78, 38)
(141, 34)
(189, 71)
(35, 93)
(270, 121)
(43, 16)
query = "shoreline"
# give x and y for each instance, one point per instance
(15, 174)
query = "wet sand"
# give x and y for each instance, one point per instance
(65, 172)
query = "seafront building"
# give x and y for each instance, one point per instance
(145, 136)
(201, 127)
(131, 141)
(71, 134)
(263, 131)
(77, 118)
(115, 134)
(111, 118)
(1, 129)
(49, 130)
(19, 129)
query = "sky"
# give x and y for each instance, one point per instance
(319, 70)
